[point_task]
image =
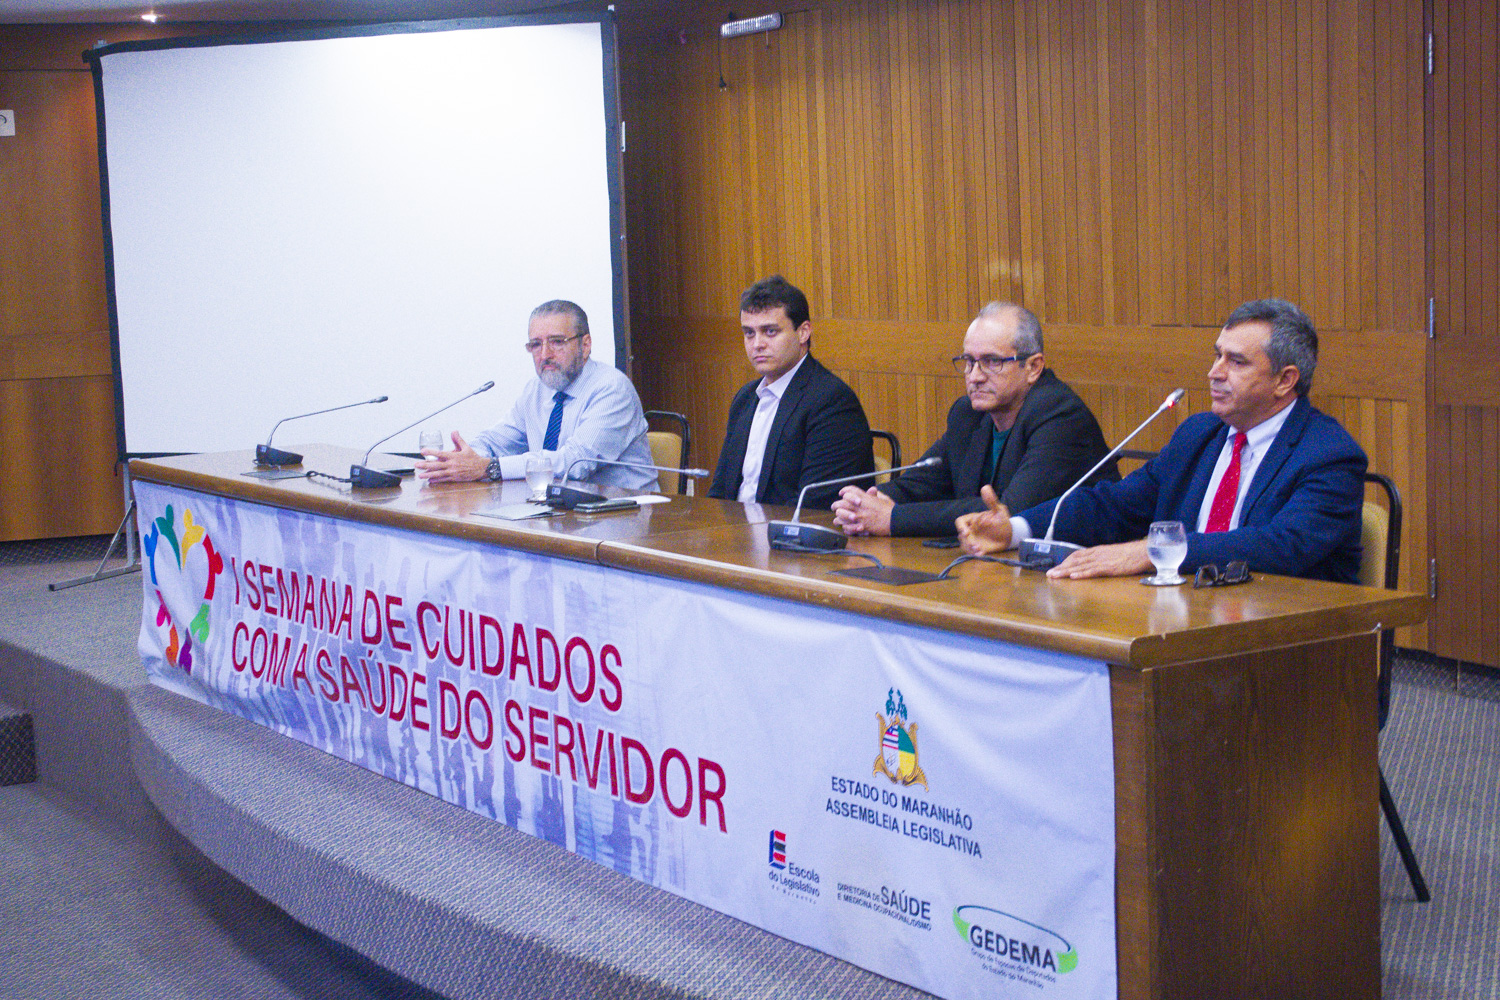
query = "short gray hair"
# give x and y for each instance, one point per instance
(1028, 339)
(553, 307)
(1293, 340)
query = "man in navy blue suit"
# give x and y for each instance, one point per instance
(1264, 478)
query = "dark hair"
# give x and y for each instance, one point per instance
(1028, 338)
(768, 293)
(1293, 340)
(552, 307)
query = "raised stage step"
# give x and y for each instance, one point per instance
(17, 747)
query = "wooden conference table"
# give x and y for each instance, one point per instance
(1246, 790)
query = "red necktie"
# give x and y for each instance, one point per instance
(1229, 489)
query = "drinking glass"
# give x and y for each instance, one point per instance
(429, 441)
(1166, 544)
(539, 473)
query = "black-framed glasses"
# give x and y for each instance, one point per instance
(990, 364)
(556, 343)
(1209, 575)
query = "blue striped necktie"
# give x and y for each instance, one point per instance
(554, 422)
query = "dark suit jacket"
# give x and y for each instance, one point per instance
(1301, 515)
(1054, 440)
(819, 432)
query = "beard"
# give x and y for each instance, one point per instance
(561, 377)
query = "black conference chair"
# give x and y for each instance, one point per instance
(670, 448)
(1381, 537)
(895, 454)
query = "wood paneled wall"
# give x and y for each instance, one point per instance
(58, 474)
(1464, 120)
(57, 414)
(1130, 171)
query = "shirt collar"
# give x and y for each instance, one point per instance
(778, 387)
(1259, 437)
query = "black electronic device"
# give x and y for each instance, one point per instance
(564, 497)
(1045, 552)
(793, 535)
(275, 457)
(361, 476)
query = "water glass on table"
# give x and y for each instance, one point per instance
(429, 441)
(539, 473)
(1166, 544)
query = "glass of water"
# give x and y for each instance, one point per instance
(1166, 544)
(539, 473)
(429, 441)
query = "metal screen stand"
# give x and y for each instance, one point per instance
(131, 533)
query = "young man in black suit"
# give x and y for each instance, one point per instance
(798, 423)
(1020, 430)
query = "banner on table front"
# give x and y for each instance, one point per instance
(936, 808)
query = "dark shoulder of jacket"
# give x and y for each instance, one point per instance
(1333, 427)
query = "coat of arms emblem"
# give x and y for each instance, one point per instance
(897, 759)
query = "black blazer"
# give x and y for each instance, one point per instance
(1054, 440)
(820, 432)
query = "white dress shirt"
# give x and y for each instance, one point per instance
(770, 394)
(602, 419)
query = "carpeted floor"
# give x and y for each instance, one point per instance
(91, 912)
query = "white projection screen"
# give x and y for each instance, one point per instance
(303, 220)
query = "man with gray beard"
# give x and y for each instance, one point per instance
(574, 408)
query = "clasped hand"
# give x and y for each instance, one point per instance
(863, 512)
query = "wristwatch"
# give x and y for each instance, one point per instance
(492, 471)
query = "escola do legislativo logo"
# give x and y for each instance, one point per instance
(897, 759)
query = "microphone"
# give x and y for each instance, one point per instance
(794, 535)
(361, 476)
(566, 498)
(1044, 553)
(266, 455)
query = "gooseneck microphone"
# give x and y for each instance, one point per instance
(564, 497)
(794, 536)
(1044, 553)
(266, 455)
(361, 476)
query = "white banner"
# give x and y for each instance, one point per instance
(934, 807)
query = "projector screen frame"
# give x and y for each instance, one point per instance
(613, 144)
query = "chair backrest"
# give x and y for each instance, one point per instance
(1380, 566)
(670, 448)
(889, 461)
(1380, 535)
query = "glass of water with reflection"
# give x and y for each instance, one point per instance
(539, 474)
(1166, 544)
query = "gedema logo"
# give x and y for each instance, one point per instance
(1016, 948)
(897, 759)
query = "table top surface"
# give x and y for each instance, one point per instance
(724, 543)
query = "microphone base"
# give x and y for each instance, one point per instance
(566, 498)
(1040, 553)
(796, 535)
(362, 478)
(266, 455)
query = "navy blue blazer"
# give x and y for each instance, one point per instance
(1301, 515)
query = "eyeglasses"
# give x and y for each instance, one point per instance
(1210, 575)
(555, 343)
(989, 363)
